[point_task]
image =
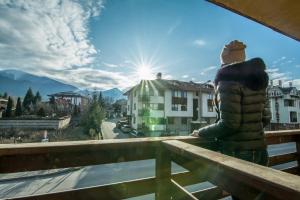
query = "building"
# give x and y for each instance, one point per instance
(171, 107)
(284, 104)
(3, 104)
(66, 100)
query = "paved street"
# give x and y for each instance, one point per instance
(97, 175)
(109, 130)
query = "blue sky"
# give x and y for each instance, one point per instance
(114, 43)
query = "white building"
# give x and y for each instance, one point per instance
(284, 103)
(162, 106)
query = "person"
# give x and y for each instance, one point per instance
(242, 106)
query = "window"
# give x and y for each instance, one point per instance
(293, 116)
(134, 119)
(161, 106)
(128, 108)
(135, 93)
(197, 93)
(210, 107)
(184, 120)
(183, 108)
(175, 107)
(289, 103)
(160, 93)
(183, 94)
(171, 120)
(134, 106)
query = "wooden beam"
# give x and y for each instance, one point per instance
(120, 190)
(232, 173)
(20, 157)
(163, 174)
(180, 192)
(209, 193)
(283, 158)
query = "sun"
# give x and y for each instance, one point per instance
(144, 72)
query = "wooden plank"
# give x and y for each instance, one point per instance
(284, 158)
(163, 174)
(20, 157)
(280, 139)
(298, 151)
(292, 170)
(283, 136)
(180, 192)
(209, 193)
(233, 173)
(126, 189)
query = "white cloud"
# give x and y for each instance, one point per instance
(50, 38)
(110, 65)
(185, 76)
(173, 27)
(297, 66)
(208, 69)
(199, 43)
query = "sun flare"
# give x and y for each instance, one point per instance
(144, 72)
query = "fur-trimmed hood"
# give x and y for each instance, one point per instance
(250, 73)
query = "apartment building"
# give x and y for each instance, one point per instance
(161, 106)
(284, 103)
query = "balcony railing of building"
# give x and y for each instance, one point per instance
(144, 98)
(230, 176)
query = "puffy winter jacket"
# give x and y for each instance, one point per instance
(242, 106)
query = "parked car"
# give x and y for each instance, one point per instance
(136, 133)
(126, 128)
(119, 124)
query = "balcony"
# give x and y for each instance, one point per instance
(144, 112)
(144, 98)
(229, 175)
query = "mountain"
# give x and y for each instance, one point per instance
(114, 93)
(16, 83)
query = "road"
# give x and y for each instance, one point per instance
(101, 174)
(109, 130)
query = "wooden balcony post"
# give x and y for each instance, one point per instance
(298, 152)
(163, 173)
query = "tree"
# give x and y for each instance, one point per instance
(52, 100)
(101, 100)
(28, 99)
(93, 118)
(19, 107)
(9, 107)
(37, 98)
(5, 95)
(41, 112)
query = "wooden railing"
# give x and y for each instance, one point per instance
(230, 176)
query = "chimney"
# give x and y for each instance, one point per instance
(291, 84)
(271, 82)
(158, 75)
(280, 83)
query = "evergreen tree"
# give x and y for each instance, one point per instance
(19, 107)
(5, 95)
(101, 100)
(37, 98)
(9, 107)
(52, 100)
(41, 112)
(28, 99)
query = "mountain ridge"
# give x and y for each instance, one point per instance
(17, 82)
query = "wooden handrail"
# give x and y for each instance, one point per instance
(20, 157)
(224, 170)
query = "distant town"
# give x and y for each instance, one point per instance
(152, 108)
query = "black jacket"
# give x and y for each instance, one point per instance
(242, 106)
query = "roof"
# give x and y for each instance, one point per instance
(280, 15)
(163, 84)
(66, 94)
(285, 90)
